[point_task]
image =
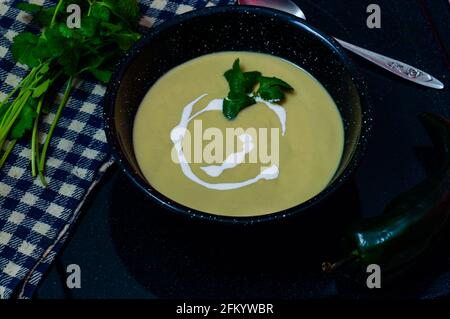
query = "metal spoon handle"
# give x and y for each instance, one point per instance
(401, 69)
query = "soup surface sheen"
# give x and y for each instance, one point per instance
(308, 153)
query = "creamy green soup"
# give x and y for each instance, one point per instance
(272, 156)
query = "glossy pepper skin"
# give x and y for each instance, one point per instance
(413, 220)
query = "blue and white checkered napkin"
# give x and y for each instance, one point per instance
(35, 221)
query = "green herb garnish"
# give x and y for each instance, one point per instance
(60, 54)
(242, 84)
(272, 89)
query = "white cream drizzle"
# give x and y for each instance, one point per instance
(178, 133)
(279, 111)
(233, 159)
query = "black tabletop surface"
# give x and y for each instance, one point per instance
(128, 248)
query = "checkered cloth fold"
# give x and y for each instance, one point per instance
(35, 221)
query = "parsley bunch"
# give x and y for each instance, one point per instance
(241, 93)
(60, 54)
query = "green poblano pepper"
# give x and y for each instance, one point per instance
(411, 222)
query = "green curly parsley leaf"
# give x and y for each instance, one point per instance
(272, 89)
(241, 86)
(29, 7)
(22, 49)
(59, 55)
(236, 102)
(239, 81)
(25, 120)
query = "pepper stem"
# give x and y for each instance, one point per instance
(330, 267)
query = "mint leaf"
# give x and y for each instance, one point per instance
(272, 89)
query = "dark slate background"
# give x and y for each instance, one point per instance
(127, 250)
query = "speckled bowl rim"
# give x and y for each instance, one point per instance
(152, 193)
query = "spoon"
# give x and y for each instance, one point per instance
(399, 68)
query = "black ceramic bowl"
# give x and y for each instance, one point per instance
(234, 28)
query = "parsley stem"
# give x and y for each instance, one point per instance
(55, 121)
(17, 108)
(90, 7)
(21, 84)
(90, 49)
(8, 150)
(11, 107)
(35, 139)
(18, 100)
(58, 6)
